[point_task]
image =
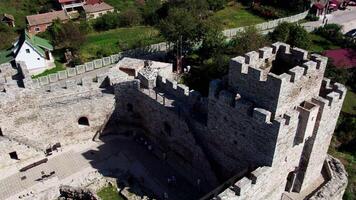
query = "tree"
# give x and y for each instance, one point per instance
(149, 11)
(248, 40)
(216, 4)
(7, 36)
(213, 39)
(281, 32)
(107, 22)
(130, 17)
(68, 35)
(299, 37)
(182, 29)
(293, 34)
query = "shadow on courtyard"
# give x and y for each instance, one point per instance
(127, 155)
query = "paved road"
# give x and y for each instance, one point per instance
(346, 18)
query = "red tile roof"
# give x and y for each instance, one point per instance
(89, 8)
(92, 2)
(342, 58)
(65, 1)
(46, 18)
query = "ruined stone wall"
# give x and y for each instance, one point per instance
(41, 117)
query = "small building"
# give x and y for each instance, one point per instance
(93, 11)
(7, 19)
(68, 5)
(40, 22)
(34, 51)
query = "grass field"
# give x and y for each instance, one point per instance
(350, 103)
(109, 193)
(59, 67)
(349, 161)
(113, 41)
(121, 4)
(320, 44)
(236, 16)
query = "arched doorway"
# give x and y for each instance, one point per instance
(83, 121)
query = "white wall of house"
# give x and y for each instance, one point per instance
(34, 61)
(97, 14)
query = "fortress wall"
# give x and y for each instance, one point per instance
(179, 91)
(248, 133)
(330, 105)
(250, 76)
(167, 129)
(42, 117)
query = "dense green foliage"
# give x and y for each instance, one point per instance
(109, 193)
(293, 34)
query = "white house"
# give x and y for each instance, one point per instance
(34, 51)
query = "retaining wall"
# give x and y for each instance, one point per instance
(264, 27)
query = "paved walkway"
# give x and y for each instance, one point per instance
(346, 18)
(63, 165)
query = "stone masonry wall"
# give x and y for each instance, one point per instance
(166, 129)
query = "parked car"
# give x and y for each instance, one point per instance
(351, 34)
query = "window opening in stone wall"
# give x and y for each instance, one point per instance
(129, 107)
(1, 134)
(13, 155)
(167, 128)
(83, 121)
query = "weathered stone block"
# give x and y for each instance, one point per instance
(44, 80)
(53, 78)
(89, 66)
(62, 75)
(115, 58)
(98, 63)
(70, 84)
(71, 72)
(106, 61)
(80, 69)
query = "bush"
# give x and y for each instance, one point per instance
(299, 37)
(216, 4)
(248, 40)
(107, 22)
(331, 32)
(149, 11)
(312, 17)
(267, 12)
(281, 32)
(130, 17)
(292, 34)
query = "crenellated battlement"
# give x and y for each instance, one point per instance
(180, 91)
(272, 76)
(259, 66)
(235, 101)
(242, 188)
(332, 92)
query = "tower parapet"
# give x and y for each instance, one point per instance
(277, 78)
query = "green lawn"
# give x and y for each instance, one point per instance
(113, 41)
(237, 16)
(59, 67)
(350, 103)
(121, 4)
(320, 44)
(109, 193)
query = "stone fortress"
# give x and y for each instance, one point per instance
(262, 133)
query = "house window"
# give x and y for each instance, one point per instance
(37, 29)
(27, 50)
